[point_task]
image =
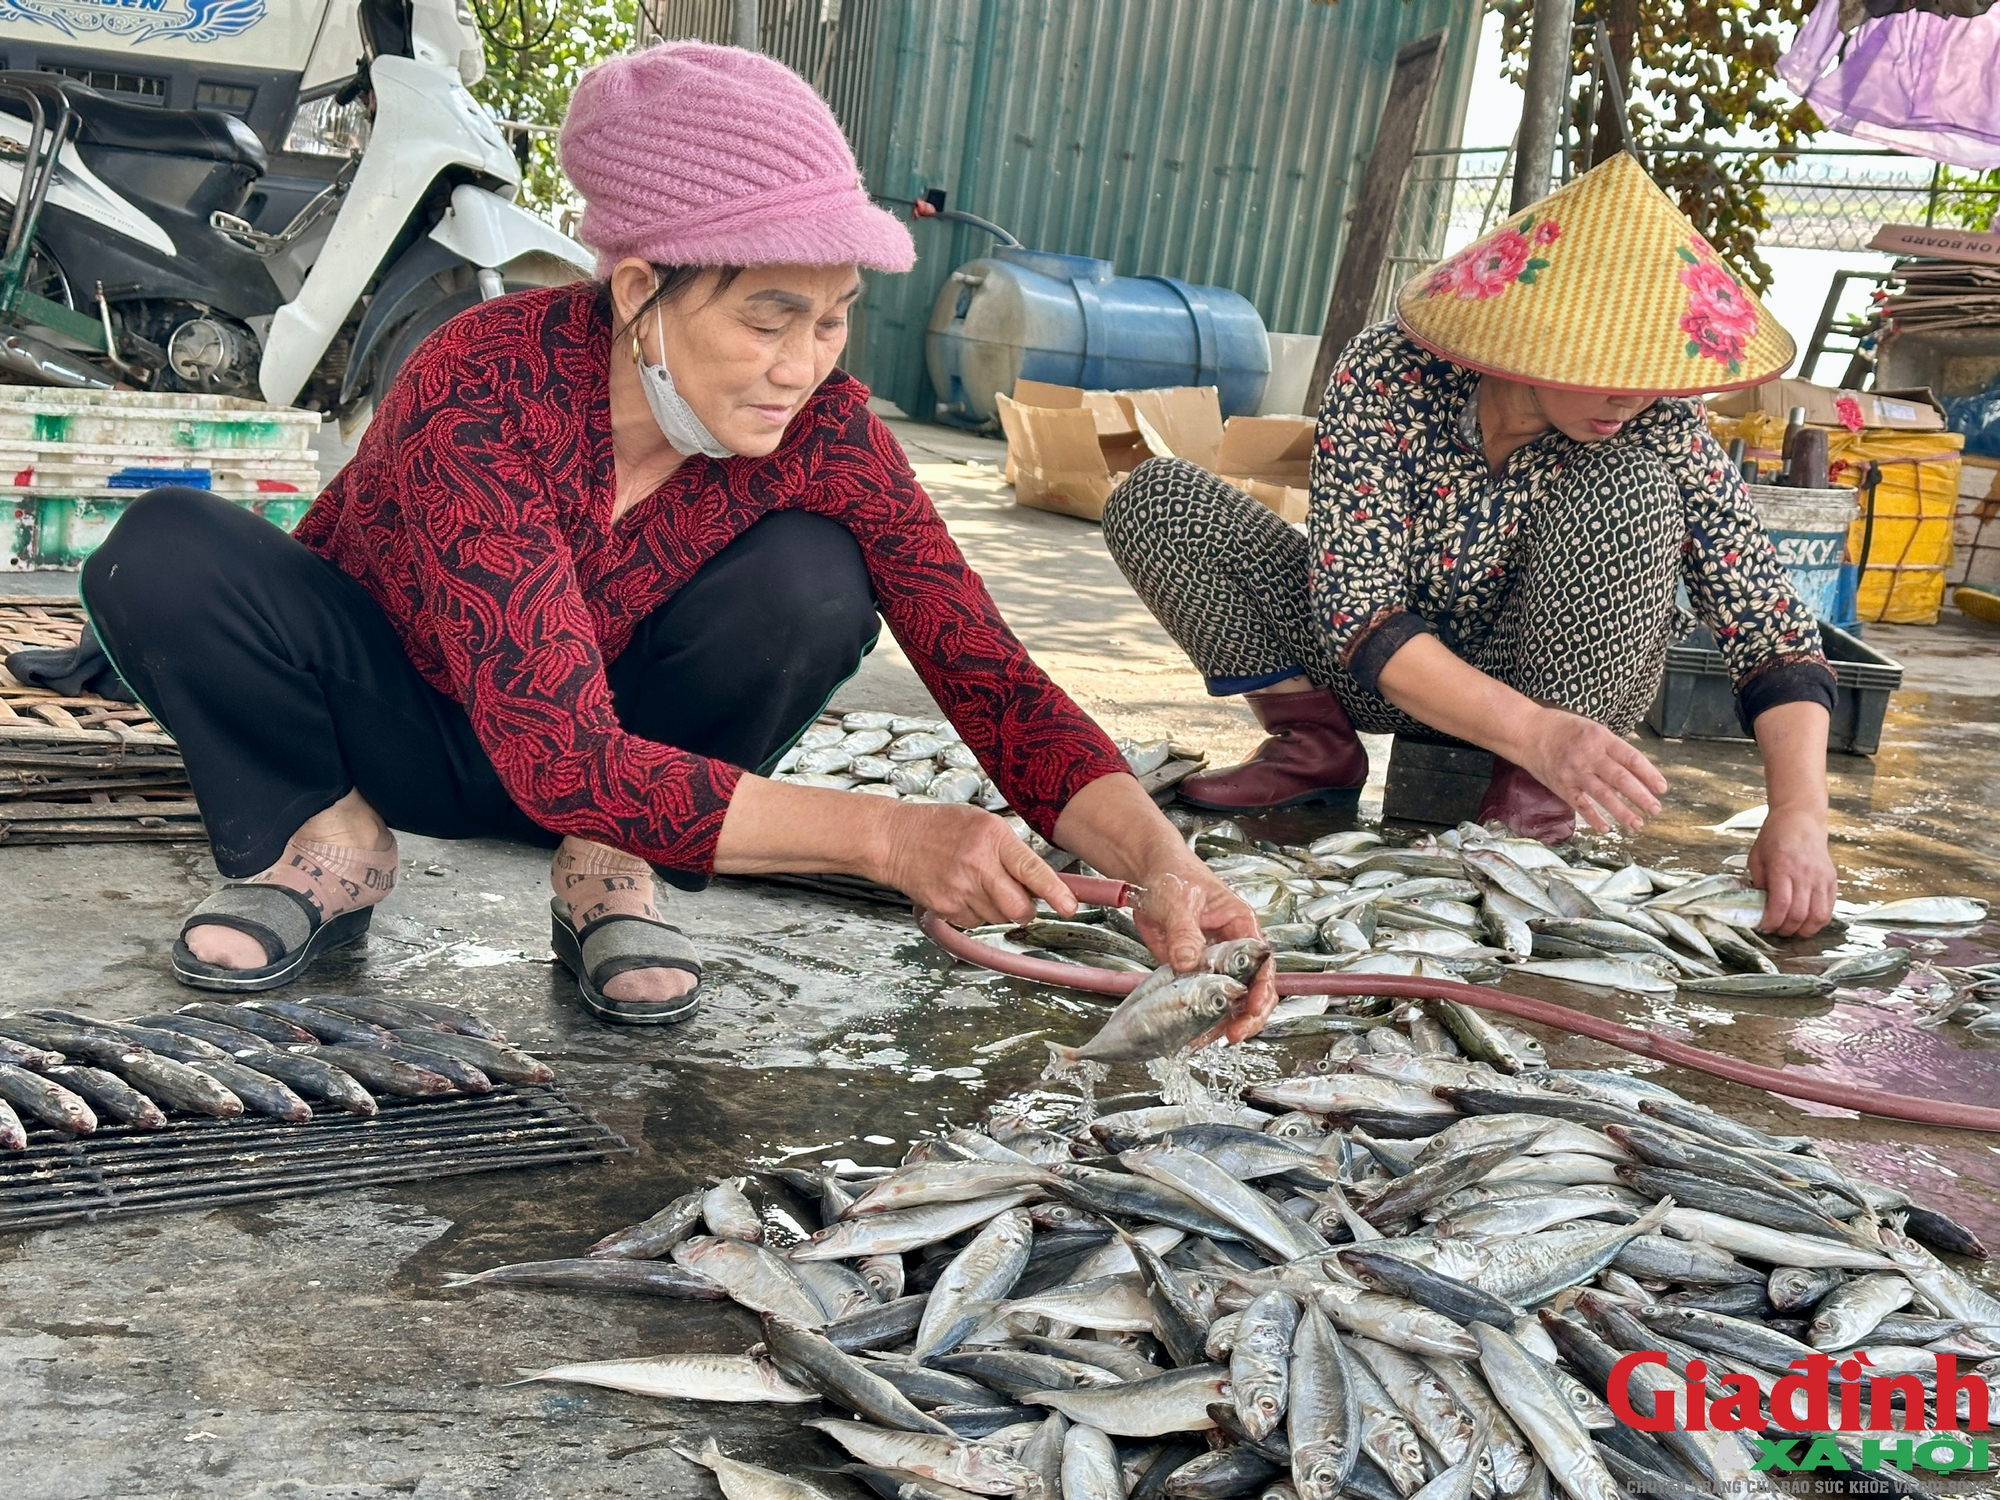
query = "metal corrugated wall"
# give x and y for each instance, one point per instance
(1219, 141)
(831, 42)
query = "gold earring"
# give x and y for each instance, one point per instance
(638, 354)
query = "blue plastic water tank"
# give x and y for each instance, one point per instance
(1070, 320)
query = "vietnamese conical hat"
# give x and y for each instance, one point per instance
(1604, 285)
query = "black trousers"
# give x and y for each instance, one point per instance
(287, 687)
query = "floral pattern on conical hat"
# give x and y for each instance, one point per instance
(1604, 285)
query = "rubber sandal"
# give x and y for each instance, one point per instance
(618, 944)
(282, 920)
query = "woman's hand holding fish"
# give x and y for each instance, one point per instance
(1115, 826)
(1790, 864)
(1180, 914)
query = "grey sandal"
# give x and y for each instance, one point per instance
(620, 944)
(282, 920)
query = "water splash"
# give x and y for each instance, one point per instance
(1086, 1076)
(1175, 1076)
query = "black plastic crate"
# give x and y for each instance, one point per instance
(1697, 697)
(1431, 782)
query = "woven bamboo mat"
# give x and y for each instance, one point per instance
(77, 768)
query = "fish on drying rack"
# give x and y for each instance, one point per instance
(272, 1058)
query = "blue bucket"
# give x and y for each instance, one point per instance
(1809, 529)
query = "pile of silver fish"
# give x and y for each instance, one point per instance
(1476, 904)
(1408, 1270)
(917, 760)
(277, 1058)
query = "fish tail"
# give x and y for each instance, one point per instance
(1062, 1054)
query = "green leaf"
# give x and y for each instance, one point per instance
(1697, 73)
(536, 50)
(1693, 349)
(1687, 255)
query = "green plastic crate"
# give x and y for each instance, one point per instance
(60, 531)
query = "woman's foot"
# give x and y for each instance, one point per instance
(340, 861)
(1312, 755)
(594, 881)
(1525, 806)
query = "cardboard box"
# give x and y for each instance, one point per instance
(1055, 460)
(1270, 458)
(1067, 449)
(1909, 411)
(1967, 245)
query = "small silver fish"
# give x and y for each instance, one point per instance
(1926, 911)
(872, 768)
(1164, 1014)
(1761, 986)
(829, 761)
(954, 786)
(1604, 973)
(916, 746)
(1857, 968)
(685, 1377)
(866, 741)
(912, 778)
(741, 1481)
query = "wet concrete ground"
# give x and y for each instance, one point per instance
(308, 1348)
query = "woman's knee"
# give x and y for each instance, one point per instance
(1165, 499)
(156, 553)
(809, 587)
(1627, 477)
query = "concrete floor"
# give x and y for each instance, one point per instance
(308, 1349)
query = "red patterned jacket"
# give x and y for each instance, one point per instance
(477, 514)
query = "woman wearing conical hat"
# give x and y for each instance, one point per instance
(1509, 487)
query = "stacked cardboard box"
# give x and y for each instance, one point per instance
(1067, 449)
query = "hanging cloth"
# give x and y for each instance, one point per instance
(1918, 81)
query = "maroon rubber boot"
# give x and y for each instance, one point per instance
(1526, 806)
(1312, 755)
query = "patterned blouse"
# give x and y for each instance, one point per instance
(477, 513)
(1412, 533)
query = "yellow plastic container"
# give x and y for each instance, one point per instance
(1909, 538)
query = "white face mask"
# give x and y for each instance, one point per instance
(677, 420)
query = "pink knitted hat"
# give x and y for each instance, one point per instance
(689, 154)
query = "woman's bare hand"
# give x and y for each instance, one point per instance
(1790, 864)
(1593, 770)
(966, 865)
(1185, 908)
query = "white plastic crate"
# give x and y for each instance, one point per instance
(152, 420)
(72, 468)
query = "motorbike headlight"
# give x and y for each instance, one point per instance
(321, 127)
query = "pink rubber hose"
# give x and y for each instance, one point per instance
(1780, 1081)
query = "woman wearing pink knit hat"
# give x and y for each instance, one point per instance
(604, 553)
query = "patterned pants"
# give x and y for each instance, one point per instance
(1585, 625)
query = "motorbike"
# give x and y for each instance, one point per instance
(142, 251)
